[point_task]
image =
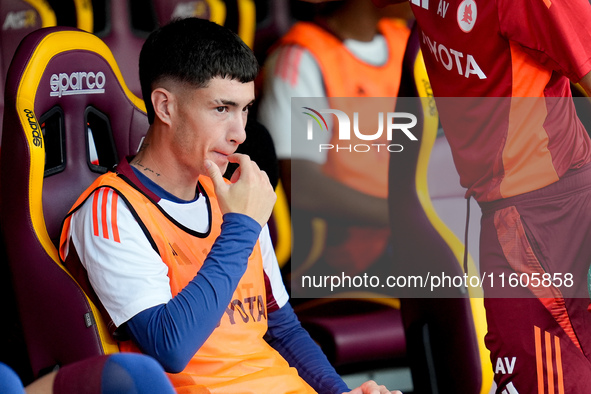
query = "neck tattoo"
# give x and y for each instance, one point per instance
(138, 162)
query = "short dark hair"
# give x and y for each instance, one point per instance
(193, 51)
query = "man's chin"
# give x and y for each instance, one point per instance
(223, 167)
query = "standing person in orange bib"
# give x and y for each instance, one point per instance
(350, 49)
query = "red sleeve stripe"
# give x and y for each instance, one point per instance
(288, 64)
(114, 218)
(104, 214)
(281, 63)
(297, 56)
(100, 210)
(95, 226)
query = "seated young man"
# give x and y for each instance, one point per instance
(180, 259)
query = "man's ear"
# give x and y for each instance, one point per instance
(163, 102)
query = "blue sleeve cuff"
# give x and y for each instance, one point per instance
(286, 335)
(243, 220)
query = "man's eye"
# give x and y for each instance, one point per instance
(221, 109)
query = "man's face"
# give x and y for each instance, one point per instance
(211, 122)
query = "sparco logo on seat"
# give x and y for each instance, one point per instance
(35, 131)
(80, 82)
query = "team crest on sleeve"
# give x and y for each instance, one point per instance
(467, 13)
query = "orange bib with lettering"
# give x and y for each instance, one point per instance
(235, 358)
(363, 91)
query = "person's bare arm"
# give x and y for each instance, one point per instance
(313, 191)
(42, 385)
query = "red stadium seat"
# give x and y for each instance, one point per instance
(63, 89)
(19, 18)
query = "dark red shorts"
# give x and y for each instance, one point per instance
(536, 247)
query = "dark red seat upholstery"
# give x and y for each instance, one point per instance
(19, 18)
(124, 25)
(237, 15)
(124, 31)
(213, 10)
(63, 89)
(73, 13)
(273, 21)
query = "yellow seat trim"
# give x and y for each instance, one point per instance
(282, 218)
(247, 21)
(431, 121)
(217, 11)
(84, 15)
(45, 12)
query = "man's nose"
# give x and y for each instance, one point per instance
(237, 132)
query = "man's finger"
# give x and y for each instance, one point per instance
(235, 175)
(242, 160)
(239, 158)
(214, 173)
(245, 165)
